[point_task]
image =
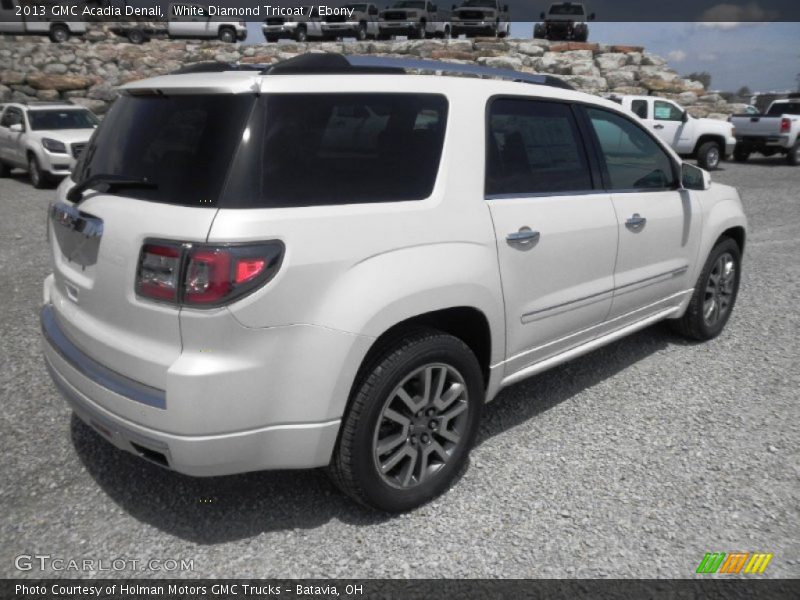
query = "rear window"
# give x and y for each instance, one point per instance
(784, 108)
(328, 149)
(281, 150)
(182, 144)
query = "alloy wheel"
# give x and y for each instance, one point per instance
(421, 425)
(719, 289)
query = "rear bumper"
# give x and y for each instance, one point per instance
(777, 141)
(93, 390)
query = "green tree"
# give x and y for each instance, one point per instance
(703, 77)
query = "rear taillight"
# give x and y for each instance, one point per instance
(204, 275)
(786, 125)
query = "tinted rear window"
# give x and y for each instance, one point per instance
(784, 108)
(182, 144)
(327, 149)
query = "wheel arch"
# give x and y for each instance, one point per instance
(710, 137)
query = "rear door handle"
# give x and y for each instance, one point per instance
(525, 236)
(658, 127)
(636, 222)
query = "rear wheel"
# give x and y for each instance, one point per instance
(227, 35)
(741, 154)
(413, 418)
(714, 294)
(59, 33)
(361, 32)
(709, 156)
(38, 178)
(420, 31)
(538, 31)
(793, 157)
(136, 36)
(300, 34)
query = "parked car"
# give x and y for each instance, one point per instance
(195, 22)
(299, 28)
(564, 21)
(283, 269)
(775, 132)
(707, 140)
(361, 24)
(44, 138)
(416, 19)
(39, 21)
(481, 17)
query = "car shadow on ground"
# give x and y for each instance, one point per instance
(223, 509)
(769, 161)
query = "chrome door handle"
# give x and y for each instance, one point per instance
(636, 222)
(524, 236)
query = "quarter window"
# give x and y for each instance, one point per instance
(534, 147)
(634, 160)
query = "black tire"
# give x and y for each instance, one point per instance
(354, 466)
(740, 154)
(136, 36)
(382, 37)
(538, 32)
(38, 178)
(709, 155)
(694, 324)
(420, 33)
(227, 35)
(5, 170)
(300, 34)
(59, 33)
(271, 39)
(793, 156)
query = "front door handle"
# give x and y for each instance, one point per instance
(658, 127)
(636, 222)
(525, 236)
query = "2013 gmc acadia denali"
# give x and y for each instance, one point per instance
(334, 263)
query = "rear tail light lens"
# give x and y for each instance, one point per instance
(204, 275)
(786, 125)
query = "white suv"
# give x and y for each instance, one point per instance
(43, 137)
(333, 263)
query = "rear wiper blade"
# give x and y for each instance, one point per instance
(75, 194)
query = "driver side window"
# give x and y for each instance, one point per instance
(666, 111)
(633, 159)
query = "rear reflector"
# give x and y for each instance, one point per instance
(204, 275)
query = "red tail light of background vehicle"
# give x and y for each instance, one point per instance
(786, 125)
(204, 275)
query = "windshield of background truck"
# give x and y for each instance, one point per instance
(566, 10)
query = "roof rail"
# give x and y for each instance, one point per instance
(321, 64)
(216, 67)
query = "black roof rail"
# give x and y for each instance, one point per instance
(216, 67)
(338, 64)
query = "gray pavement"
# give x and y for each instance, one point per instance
(633, 461)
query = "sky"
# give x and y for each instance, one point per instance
(762, 56)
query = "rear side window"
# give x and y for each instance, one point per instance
(639, 108)
(633, 158)
(534, 147)
(329, 149)
(784, 108)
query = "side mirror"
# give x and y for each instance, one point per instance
(694, 178)
(685, 116)
(592, 17)
(17, 128)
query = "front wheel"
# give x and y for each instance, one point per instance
(300, 35)
(709, 156)
(38, 178)
(793, 157)
(59, 33)
(411, 423)
(136, 36)
(227, 35)
(714, 294)
(361, 32)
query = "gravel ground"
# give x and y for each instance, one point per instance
(632, 461)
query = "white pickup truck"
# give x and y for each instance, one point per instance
(775, 132)
(706, 140)
(20, 18)
(481, 17)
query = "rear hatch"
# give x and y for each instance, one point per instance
(159, 163)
